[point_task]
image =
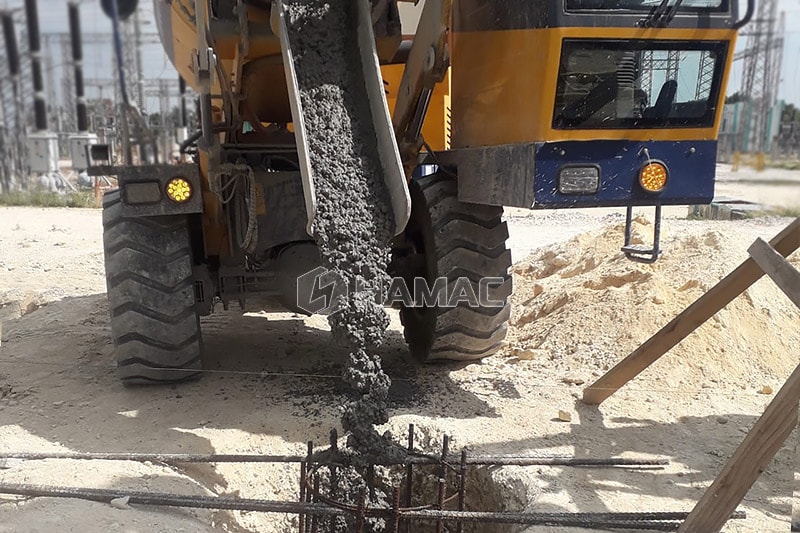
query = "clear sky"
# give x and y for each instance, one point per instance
(53, 17)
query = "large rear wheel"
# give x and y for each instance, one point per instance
(456, 240)
(151, 297)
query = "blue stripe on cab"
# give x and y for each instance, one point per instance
(691, 166)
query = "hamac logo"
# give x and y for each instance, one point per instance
(319, 291)
(322, 291)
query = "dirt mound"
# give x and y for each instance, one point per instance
(15, 305)
(581, 306)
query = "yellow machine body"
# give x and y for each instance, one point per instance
(259, 73)
(501, 91)
(484, 104)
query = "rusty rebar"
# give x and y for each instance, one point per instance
(334, 489)
(655, 520)
(408, 461)
(172, 500)
(371, 481)
(334, 476)
(334, 440)
(440, 495)
(518, 460)
(309, 469)
(409, 472)
(166, 458)
(396, 511)
(361, 516)
(314, 499)
(660, 521)
(301, 517)
(462, 488)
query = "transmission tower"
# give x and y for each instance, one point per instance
(665, 62)
(705, 76)
(68, 91)
(776, 61)
(759, 80)
(6, 151)
(15, 68)
(132, 62)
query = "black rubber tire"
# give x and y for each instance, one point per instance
(151, 298)
(457, 239)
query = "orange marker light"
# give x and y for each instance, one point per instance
(179, 190)
(653, 177)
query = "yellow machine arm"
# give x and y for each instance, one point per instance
(427, 65)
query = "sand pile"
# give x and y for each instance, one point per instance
(581, 306)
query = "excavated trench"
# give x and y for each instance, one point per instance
(486, 492)
(487, 489)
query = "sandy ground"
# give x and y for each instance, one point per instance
(772, 187)
(272, 385)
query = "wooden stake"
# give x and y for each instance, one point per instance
(786, 242)
(795, 486)
(785, 276)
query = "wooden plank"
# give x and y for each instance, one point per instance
(748, 461)
(785, 276)
(786, 242)
(795, 487)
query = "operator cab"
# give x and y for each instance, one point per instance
(610, 103)
(646, 83)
